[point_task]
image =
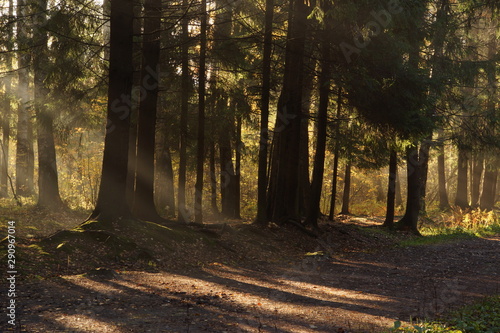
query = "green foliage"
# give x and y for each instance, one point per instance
(481, 317)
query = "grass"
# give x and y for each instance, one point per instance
(480, 317)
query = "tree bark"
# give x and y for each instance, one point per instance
(347, 189)
(182, 215)
(284, 196)
(200, 155)
(461, 199)
(23, 145)
(7, 110)
(213, 182)
(262, 218)
(477, 174)
(48, 184)
(144, 202)
(111, 202)
(391, 190)
(333, 197)
(444, 203)
(488, 195)
(409, 222)
(322, 118)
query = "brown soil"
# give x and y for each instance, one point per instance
(273, 280)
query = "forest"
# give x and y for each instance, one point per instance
(191, 120)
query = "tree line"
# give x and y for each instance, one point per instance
(189, 89)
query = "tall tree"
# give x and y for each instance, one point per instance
(441, 171)
(284, 196)
(462, 195)
(391, 190)
(346, 196)
(322, 118)
(111, 201)
(7, 106)
(48, 184)
(182, 215)
(262, 217)
(336, 153)
(200, 154)
(23, 147)
(144, 203)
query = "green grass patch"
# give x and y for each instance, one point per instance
(480, 317)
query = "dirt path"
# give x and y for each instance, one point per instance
(356, 292)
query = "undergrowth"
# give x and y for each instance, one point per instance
(455, 225)
(481, 317)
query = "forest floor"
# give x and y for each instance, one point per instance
(234, 277)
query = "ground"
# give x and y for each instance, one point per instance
(238, 278)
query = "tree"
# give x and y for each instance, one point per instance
(111, 201)
(144, 203)
(284, 196)
(391, 190)
(200, 155)
(262, 217)
(48, 184)
(7, 107)
(322, 119)
(185, 93)
(24, 152)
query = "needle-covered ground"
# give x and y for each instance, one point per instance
(233, 277)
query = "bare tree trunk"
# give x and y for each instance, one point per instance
(7, 109)
(488, 195)
(347, 189)
(284, 196)
(319, 157)
(213, 182)
(144, 202)
(391, 190)
(111, 202)
(444, 204)
(477, 174)
(461, 199)
(409, 222)
(333, 197)
(48, 184)
(262, 218)
(23, 119)
(200, 156)
(182, 215)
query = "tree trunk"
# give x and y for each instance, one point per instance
(347, 189)
(461, 199)
(237, 171)
(399, 196)
(164, 178)
(182, 214)
(391, 190)
(200, 155)
(443, 192)
(409, 222)
(284, 195)
(262, 218)
(23, 119)
(488, 195)
(48, 184)
(111, 202)
(304, 183)
(319, 157)
(144, 203)
(7, 110)
(333, 197)
(477, 174)
(213, 182)
(424, 169)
